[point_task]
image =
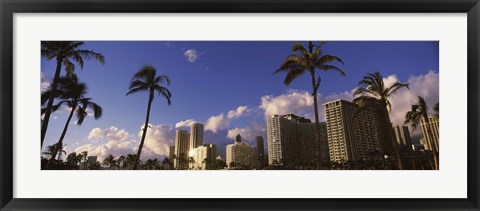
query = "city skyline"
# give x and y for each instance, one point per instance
(117, 132)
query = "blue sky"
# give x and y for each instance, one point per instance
(211, 79)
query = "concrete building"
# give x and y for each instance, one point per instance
(260, 151)
(204, 157)
(402, 136)
(196, 135)
(241, 155)
(291, 140)
(353, 133)
(171, 153)
(182, 148)
(432, 141)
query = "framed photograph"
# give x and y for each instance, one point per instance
(260, 105)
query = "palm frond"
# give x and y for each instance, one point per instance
(329, 58)
(135, 90)
(146, 73)
(330, 68)
(162, 78)
(91, 54)
(164, 92)
(395, 87)
(81, 113)
(97, 110)
(69, 67)
(137, 84)
(292, 75)
(298, 47)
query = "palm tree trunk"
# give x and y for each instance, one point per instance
(432, 142)
(150, 99)
(46, 119)
(60, 141)
(395, 144)
(319, 147)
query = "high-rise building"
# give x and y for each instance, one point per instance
(204, 157)
(433, 139)
(291, 140)
(402, 136)
(353, 133)
(182, 148)
(241, 155)
(171, 153)
(196, 135)
(260, 152)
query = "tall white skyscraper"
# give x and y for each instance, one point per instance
(291, 139)
(181, 149)
(353, 134)
(431, 141)
(196, 135)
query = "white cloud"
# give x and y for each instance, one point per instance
(191, 55)
(426, 86)
(44, 81)
(237, 112)
(157, 140)
(216, 123)
(221, 121)
(108, 133)
(248, 133)
(300, 103)
(115, 141)
(185, 123)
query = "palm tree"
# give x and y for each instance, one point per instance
(109, 161)
(191, 162)
(310, 60)
(146, 79)
(436, 109)
(420, 111)
(61, 151)
(73, 159)
(64, 52)
(50, 150)
(121, 161)
(83, 156)
(130, 160)
(72, 93)
(372, 86)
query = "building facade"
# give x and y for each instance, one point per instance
(241, 155)
(204, 157)
(433, 140)
(291, 140)
(353, 133)
(171, 153)
(260, 151)
(196, 135)
(182, 149)
(402, 136)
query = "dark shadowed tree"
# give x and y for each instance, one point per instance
(310, 60)
(65, 54)
(372, 86)
(420, 111)
(72, 93)
(147, 80)
(110, 161)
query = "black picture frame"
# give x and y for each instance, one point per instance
(10, 7)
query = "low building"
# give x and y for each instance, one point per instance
(204, 157)
(240, 155)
